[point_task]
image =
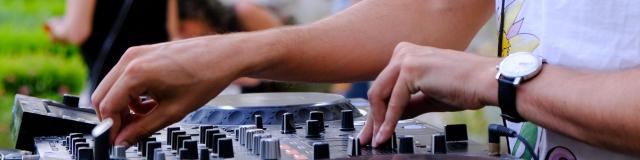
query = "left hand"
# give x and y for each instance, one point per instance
(423, 79)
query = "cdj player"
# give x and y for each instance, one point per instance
(247, 126)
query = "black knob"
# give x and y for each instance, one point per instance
(258, 121)
(77, 146)
(353, 147)
(101, 144)
(174, 138)
(214, 141)
(142, 145)
(192, 148)
(456, 132)
(319, 116)
(209, 135)
(184, 153)
(320, 150)
(70, 100)
(74, 141)
(70, 137)
(438, 144)
(313, 129)
(225, 148)
(170, 133)
(85, 153)
(390, 144)
(204, 154)
(181, 139)
(405, 145)
(203, 134)
(236, 133)
(151, 147)
(288, 124)
(347, 120)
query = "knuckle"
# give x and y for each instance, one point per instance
(103, 108)
(409, 65)
(132, 53)
(95, 100)
(134, 69)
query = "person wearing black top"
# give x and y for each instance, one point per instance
(105, 29)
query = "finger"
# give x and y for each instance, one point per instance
(145, 125)
(380, 90)
(399, 99)
(366, 134)
(110, 79)
(115, 105)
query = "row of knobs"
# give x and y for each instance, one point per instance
(254, 138)
(79, 147)
(216, 143)
(315, 124)
(403, 145)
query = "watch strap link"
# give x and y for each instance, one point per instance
(507, 99)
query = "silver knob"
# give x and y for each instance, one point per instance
(243, 131)
(256, 142)
(249, 137)
(270, 149)
(119, 152)
(158, 154)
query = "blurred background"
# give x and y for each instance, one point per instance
(31, 63)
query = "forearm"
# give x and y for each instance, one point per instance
(77, 25)
(173, 20)
(595, 107)
(357, 44)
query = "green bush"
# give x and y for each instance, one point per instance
(28, 60)
(41, 74)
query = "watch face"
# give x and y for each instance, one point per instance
(520, 64)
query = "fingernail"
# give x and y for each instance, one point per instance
(376, 138)
(379, 139)
(124, 143)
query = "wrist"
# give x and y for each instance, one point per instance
(489, 85)
(265, 50)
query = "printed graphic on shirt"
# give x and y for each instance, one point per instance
(513, 40)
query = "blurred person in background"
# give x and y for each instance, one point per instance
(105, 29)
(209, 17)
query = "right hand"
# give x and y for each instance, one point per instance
(54, 28)
(179, 77)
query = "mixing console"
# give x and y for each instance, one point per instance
(271, 134)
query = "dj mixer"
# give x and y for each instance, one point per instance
(247, 126)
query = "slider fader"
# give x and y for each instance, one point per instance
(269, 134)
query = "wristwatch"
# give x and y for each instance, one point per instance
(512, 71)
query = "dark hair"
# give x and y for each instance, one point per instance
(217, 16)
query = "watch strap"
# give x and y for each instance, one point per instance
(507, 99)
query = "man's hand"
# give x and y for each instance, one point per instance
(177, 76)
(422, 79)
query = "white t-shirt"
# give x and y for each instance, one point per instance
(585, 34)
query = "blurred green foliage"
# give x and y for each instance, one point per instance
(29, 62)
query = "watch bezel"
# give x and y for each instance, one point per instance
(517, 79)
